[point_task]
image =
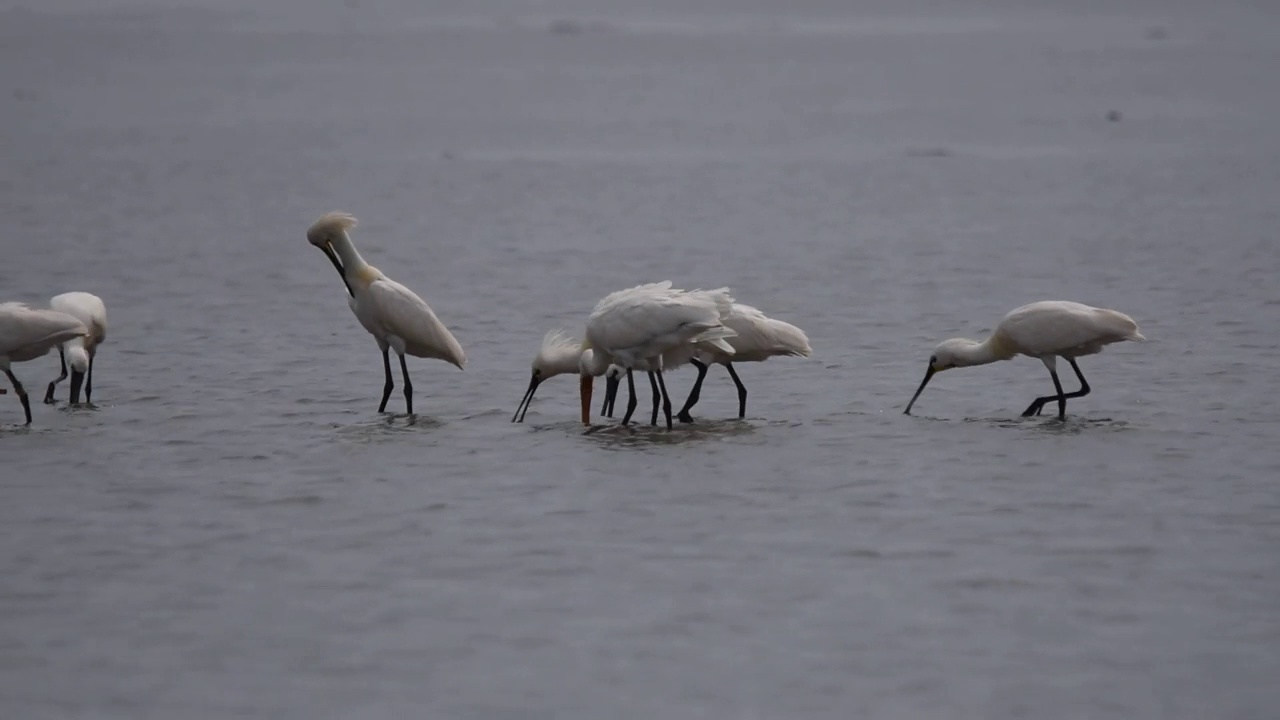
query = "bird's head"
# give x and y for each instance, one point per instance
(328, 231)
(77, 358)
(558, 355)
(947, 355)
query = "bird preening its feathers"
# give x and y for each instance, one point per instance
(396, 317)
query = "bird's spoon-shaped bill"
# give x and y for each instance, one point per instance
(927, 375)
(526, 401)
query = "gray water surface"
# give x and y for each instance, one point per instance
(235, 532)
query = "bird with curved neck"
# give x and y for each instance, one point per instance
(758, 338)
(396, 317)
(634, 328)
(1045, 330)
(559, 355)
(79, 352)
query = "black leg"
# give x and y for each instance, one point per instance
(389, 385)
(88, 381)
(657, 396)
(21, 393)
(408, 387)
(742, 391)
(631, 399)
(666, 399)
(48, 395)
(610, 387)
(694, 394)
(1062, 398)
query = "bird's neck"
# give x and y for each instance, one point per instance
(992, 349)
(353, 265)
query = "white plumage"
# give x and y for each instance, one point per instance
(633, 328)
(79, 352)
(1044, 330)
(26, 334)
(758, 338)
(396, 317)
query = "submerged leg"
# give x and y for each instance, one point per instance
(389, 385)
(408, 387)
(666, 400)
(1038, 404)
(631, 398)
(694, 394)
(657, 396)
(742, 391)
(62, 357)
(21, 393)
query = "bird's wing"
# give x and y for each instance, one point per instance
(1057, 325)
(643, 318)
(25, 327)
(658, 288)
(760, 336)
(403, 314)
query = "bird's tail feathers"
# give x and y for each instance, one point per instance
(722, 298)
(715, 337)
(789, 339)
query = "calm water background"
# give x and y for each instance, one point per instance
(234, 532)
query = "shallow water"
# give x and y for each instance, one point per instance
(234, 531)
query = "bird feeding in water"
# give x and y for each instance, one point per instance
(90, 310)
(559, 355)
(1046, 330)
(396, 317)
(27, 334)
(758, 338)
(632, 328)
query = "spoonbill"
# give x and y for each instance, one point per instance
(559, 355)
(88, 309)
(26, 334)
(759, 338)
(1045, 330)
(396, 317)
(632, 328)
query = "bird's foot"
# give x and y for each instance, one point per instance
(684, 416)
(1033, 409)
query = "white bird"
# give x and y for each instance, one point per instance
(27, 334)
(1046, 330)
(633, 328)
(396, 317)
(559, 355)
(759, 338)
(88, 309)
